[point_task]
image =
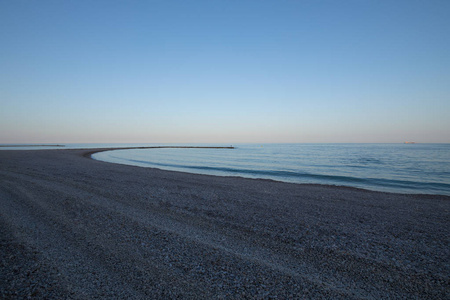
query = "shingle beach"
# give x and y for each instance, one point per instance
(75, 228)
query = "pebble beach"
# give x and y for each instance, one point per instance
(75, 228)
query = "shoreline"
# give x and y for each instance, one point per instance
(81, 228)
(98, 150)
(31, 145)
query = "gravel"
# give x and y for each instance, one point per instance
(76, 228)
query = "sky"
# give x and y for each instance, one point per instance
(224, 71)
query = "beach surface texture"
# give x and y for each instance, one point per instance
(74, 227)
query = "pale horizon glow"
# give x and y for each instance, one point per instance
(224, 71)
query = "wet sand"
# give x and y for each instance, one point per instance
(74, 227)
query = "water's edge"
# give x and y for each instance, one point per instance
(370, 184)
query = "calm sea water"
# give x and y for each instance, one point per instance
(401, 168)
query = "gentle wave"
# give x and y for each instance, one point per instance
(383, 167)
(400, 184)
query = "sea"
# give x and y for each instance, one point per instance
(400, 168)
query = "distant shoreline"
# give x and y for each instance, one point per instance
(11, 146)
(98, 150)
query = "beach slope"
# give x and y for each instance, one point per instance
(74, 227)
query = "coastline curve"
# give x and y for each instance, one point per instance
(98, 150)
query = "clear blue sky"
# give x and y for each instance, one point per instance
(224, 71)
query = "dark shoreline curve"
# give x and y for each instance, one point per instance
(72, 227)
(97, 150)
(89, 154)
